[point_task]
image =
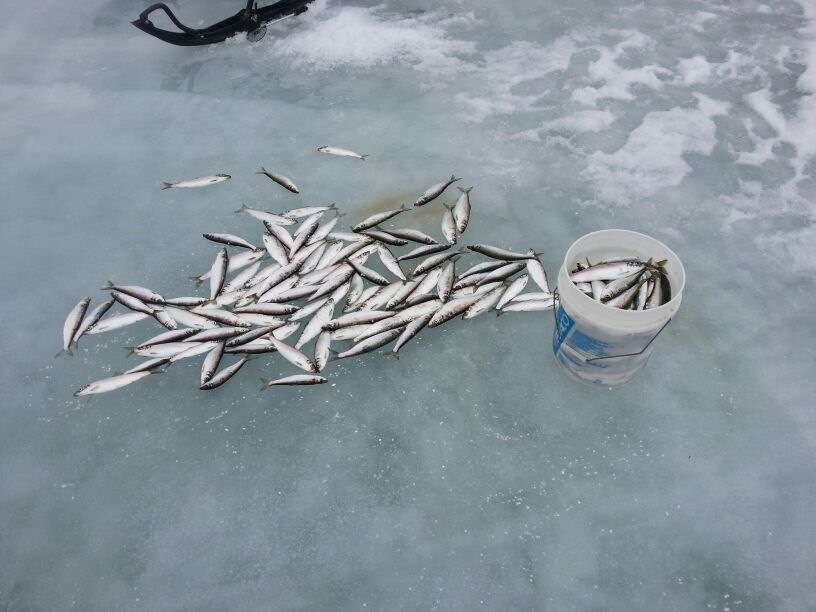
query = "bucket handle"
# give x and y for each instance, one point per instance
(556, 304)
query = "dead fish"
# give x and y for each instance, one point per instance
(449, 230)
(241, 279)
(385, 237)
(341, 152)
(324, 230)
(293, 356)
(231, 240)
(297, 379)
(150, 364)
(131, 302)
(109, 384)
(280, 232)
(117, 322)
(236, 262)
(355, 290)
(201, 181)
(187, 301)
(364, 317)
(174, 335)
(395, 322)
(378, 218)
(433, 261)
(276, 249)
(211, 362)
(479, 268)
(516, 287)
(528, 306)
(390, 262)
(403, 292)
(72, 323)
(253, 334)
(267, 309)
(527, 297)
(224, 375)
(322, 350)
(537, 272)
(461, 210)
(412, 235)
(315, 325)
(308, 211)
(371, 344)
(607, 271)
(451, 309)
(348, 237)
(434, 192)
(412, 329)
(218, 273)
(266, 217)
(483, 304)
(349, 250)
(215, 333)
(140, 293)
(92, 319)
(368, 274)
(166, 349)
(165, 319)
(445, 282)
(281, 180)
(189, 319)
(424, 250)
(221, 316)
(497, 253)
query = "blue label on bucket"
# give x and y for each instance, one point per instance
(563, 325)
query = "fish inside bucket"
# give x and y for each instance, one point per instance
(601, 344)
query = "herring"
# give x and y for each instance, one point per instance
(296, 379)
(201, 181)
(281, 180)
(109, 384)
(72, 323)
(341, 152)
(378, 218)
(435, 191)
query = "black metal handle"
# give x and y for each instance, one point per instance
(163, 7)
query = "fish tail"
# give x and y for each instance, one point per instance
(392, 354)
(464, 189)
(499, 312)
(363, 157)
(64, 352)
(243, 208)
(454, 178)
(130, 349)
(196, 280)
(262, 171)
(403, 207)
(265, 383)
(333, 206)
(110, 285)
(166, 185)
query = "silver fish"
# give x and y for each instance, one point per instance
(169, 336)
(278, 276)
(379, 327)
(461, 210)
(371, 344)
(140, 293)
(307, 211)
(348, 236)
(435, 191)
(284, 331)
(655, 298)
(308, 309)
(315, 325)
(355, 290)
(267, 309)
(251, 335)
(322, 350)
(218, 273)
(348, 333)
(528, 306)
(240, 280)
(165, 319)
(131, 302)
(516, 287)
(92, 319)
(624, 299)
(412, 329)
(619, 285)
(329, 286)
(117, 322)
(424, 250)
(193, 351)
(597, 289)
(419, 310)
(201, 181)
(537, 271)
(412, 235)
(266, 217)
(527, 297)
(380, 297)
(451, 309)
(403, 292)
(433, 261)
(302, 253)
(368, 274)
(367, 294)
(215, 333)
(484, 303)
(357, 318)
(281, 180)
(224, 375)
(211, 362)
(497, 253)
(297, 379)
(384, 237)
(449, 230)
(428, 284)
(220, 316)
(150, 364)
(642, 295)
(231, 240)
(256, 347)
(276, 249)
(281, 233)
(72, 323)
(304, 232)
(310, 263)
(606, 271)
(341, 152)
(324, 230)
(349, 250)
(444, 284)
(294, 356)
(187, 301)
(481, 268)
(109, 384)
(166, 349)
(378, 218)
(390, 262)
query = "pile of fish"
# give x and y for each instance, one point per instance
(315, 284)
(628, 284)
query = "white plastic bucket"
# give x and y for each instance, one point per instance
(599, 344)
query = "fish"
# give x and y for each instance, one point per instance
(281, 180)
(302, 253)
(194, 350)
(411, 330)
(513, 289)
(165, 349)
(169, 336)
(308, 309)
(324, 230)
(384, 325)
(537, 272)
(497, 253)
(404, 291)
(528, 306)
(256, 347)
(385, 237)
(624, 299)
(140, 293)
(187, 301)
(294, 356)
(371, 344)
(606, 271)
(444, 284)
(642, 295)
(231, 240)
(330, 285)
(92, 319)
(357, 318)
(597, 289)
(221, 316)
(308, 211)
(322, 350)
(619, 285)
(110, 384)
(380, 297)
(502, 273)
(278, 276)
(451, 309)
(378, 218)
(266, 217)
(655, 298)
(483, 304)
(165, 319)
(241, 280)
(527, 297)
(348, 333)
(267, 309)
(201, 181)
(72, 323)
(433, 261)
(304, 232)
(435, 191)
(276, 249)
(413, 235)
(355, 290)
(349, 250)
(218, 273)
(367, 293)
(210, 364)
(461, 210)
(485, 266)
(449, 230)
(310, 263)
(341, 152)
(368, 274)
(297, 379)
(150, 364)
(117, 322)
(216, 333)
(253, 334)
(390, 261)
(281, 233)
(131, 302)
(236, 262)
(224, 375)
(429, 282)
(189, 319)
(348, 237)
(423, 250)
(315, 325)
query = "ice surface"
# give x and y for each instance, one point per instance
(469, 474)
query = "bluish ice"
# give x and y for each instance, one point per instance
(471, 473)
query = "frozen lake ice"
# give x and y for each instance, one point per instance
(471, 473)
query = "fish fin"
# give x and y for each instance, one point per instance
(64, 352)
(166, 185)
(363, 157)
(333, 206)
(110, 285)
(454, 178)
(464, 189)
(403, 207)
(662, 263)
(263, 171)
(499, 312)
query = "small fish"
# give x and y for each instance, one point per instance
(381, 296)
(276, 249)
(435, 191)
(256, 347)
(215, 333)
(266, 217)
(433, 261)
(267, 309)
(349, 250)
(315, 325)
(537, 271)
(308, 211)
(150, 364)
(330, 285)
(619, 285)
(528, 306)
(224, 375)
(281, 180)
(341, 152)
(655, 298)
(218, 273)
(211, 361)
(624, 299)
(461, 210)
(240, 280)
(141, 293)
(117, 322)
(390, 262)
(371, 344)
(384, 237)
(201, 181)
(451, 309)
(166, 349)
(281, 233)
(606, 271)
(283, 332)
(412, 329)
(364, 317)
(294, 356)
(109, 384)
(497, 253)
(429, 282)
(322, 350)
(378, 218)
(449, 230)
(169, 336)
(527, 297)
(300, 254)
(384, 325)
(483, 304)
(186, 301)
(131, 302)
(516, 287)
(424, 250)
(481, 268)
(253, 334)
(324, 230)
(349, 237)
(304, 232)
(92, 319)
(643, 294)
(72, 323)
(297, 379)
(236, 262)
(165, 319)
(368, 274)
(310, 263)
(412, 235)
(597, 289)
(231, 240)
(355, 290)
(221, 316)
(189, 319)
(348, 333)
